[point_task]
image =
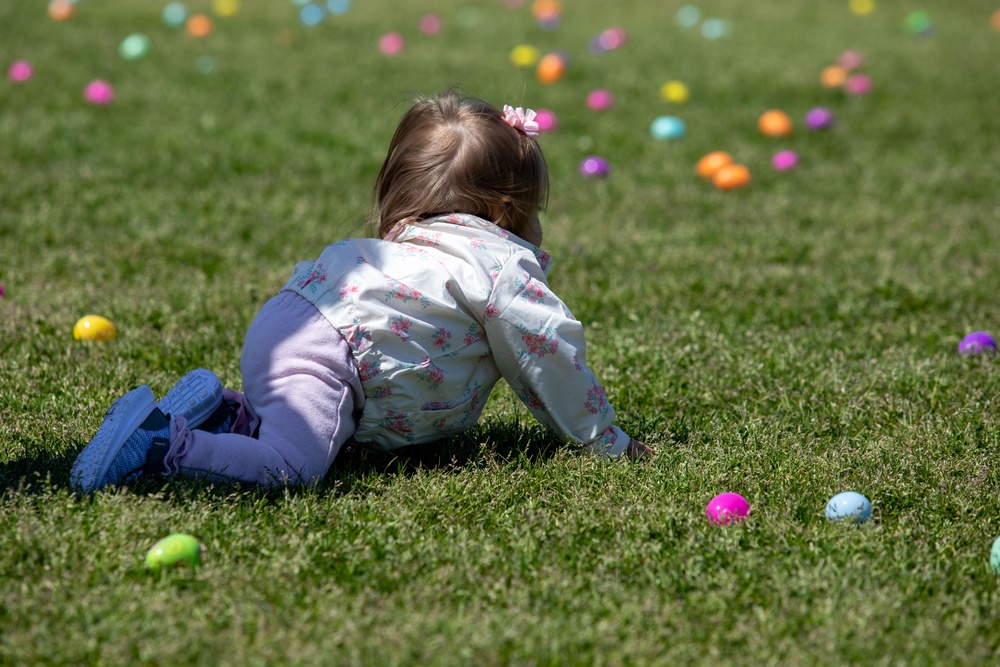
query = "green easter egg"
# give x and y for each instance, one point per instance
(177, 550)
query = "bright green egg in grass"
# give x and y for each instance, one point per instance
(173, 551)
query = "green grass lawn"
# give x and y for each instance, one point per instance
(786, 341)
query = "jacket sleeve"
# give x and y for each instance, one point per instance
(539, 348)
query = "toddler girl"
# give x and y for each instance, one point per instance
(392, 341)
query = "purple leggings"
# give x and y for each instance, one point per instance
(301, 388)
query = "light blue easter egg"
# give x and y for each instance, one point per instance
(995, 556)
(848, 506)
(667, 127)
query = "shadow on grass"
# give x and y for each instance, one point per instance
(492, 442)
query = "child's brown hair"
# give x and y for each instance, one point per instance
(455, 154)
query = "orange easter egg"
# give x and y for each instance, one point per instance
(775, 123)
(713, 162)
(731, 176)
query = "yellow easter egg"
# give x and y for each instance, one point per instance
(674, 92)
(94, 327)
(524, 55)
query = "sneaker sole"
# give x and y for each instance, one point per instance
(120, 421)
(196, 396)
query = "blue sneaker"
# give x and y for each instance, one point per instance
(197, 396)
(132, 441)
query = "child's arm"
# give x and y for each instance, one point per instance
(540, 350)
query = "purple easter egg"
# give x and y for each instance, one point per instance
(819, 118)
(594, 167)
(977, 342)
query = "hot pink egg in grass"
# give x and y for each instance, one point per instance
(727, 508)
(600, 100)
(99, 92)
(20, 71)
(391, 43)
(546, 119)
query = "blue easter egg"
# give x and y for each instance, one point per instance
(848, 505)
(667, 127)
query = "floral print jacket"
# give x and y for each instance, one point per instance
(438, 315)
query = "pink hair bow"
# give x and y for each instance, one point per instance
(521, 120)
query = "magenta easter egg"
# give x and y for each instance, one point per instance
(727, 508)
(546, 119)
(600, 100)
(785, 160)
(858, 84)
(99, 92)
(20, 71)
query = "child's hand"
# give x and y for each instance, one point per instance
(639, 450)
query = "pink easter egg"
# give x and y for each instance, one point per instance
(99, 92)
(727, 507)
(785, 160)
(20, 71)
(859, 84)
(390, 43)
(430, 24)
(546, 120)
(851, 60)
(600, 100)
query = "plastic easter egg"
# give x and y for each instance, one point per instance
(833, 76)
(134, 46)
(820, 118)
(727, 508)
(848, 506)
(785, 160)
(858, 84)
(226, 8)
(99, 92)
(611, 39)
(713, 162)
(546, 8)
(174, 14)
(667, 127)
(61, 10)
(919, 23)
(977, 342)
(430, 24)
(995, 556)
(674, 92)
(390, 43)
(550, 68)
(199, 26)
(338, 7)
(851, 60)
(862, 7)
(689, 16)
(94, 327)
(311, 14)
(20, 71)
(995, 20)
(594, 167)
(546, 119)
(524, 55)
(600, 100)
(173, 551)
(775, 123)
(731, 177)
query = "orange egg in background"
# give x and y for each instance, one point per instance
(61, 10)
(713, 162)
(833, 76)
(731, 176)
(199, 25)
(775, 123)
(550, 68)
